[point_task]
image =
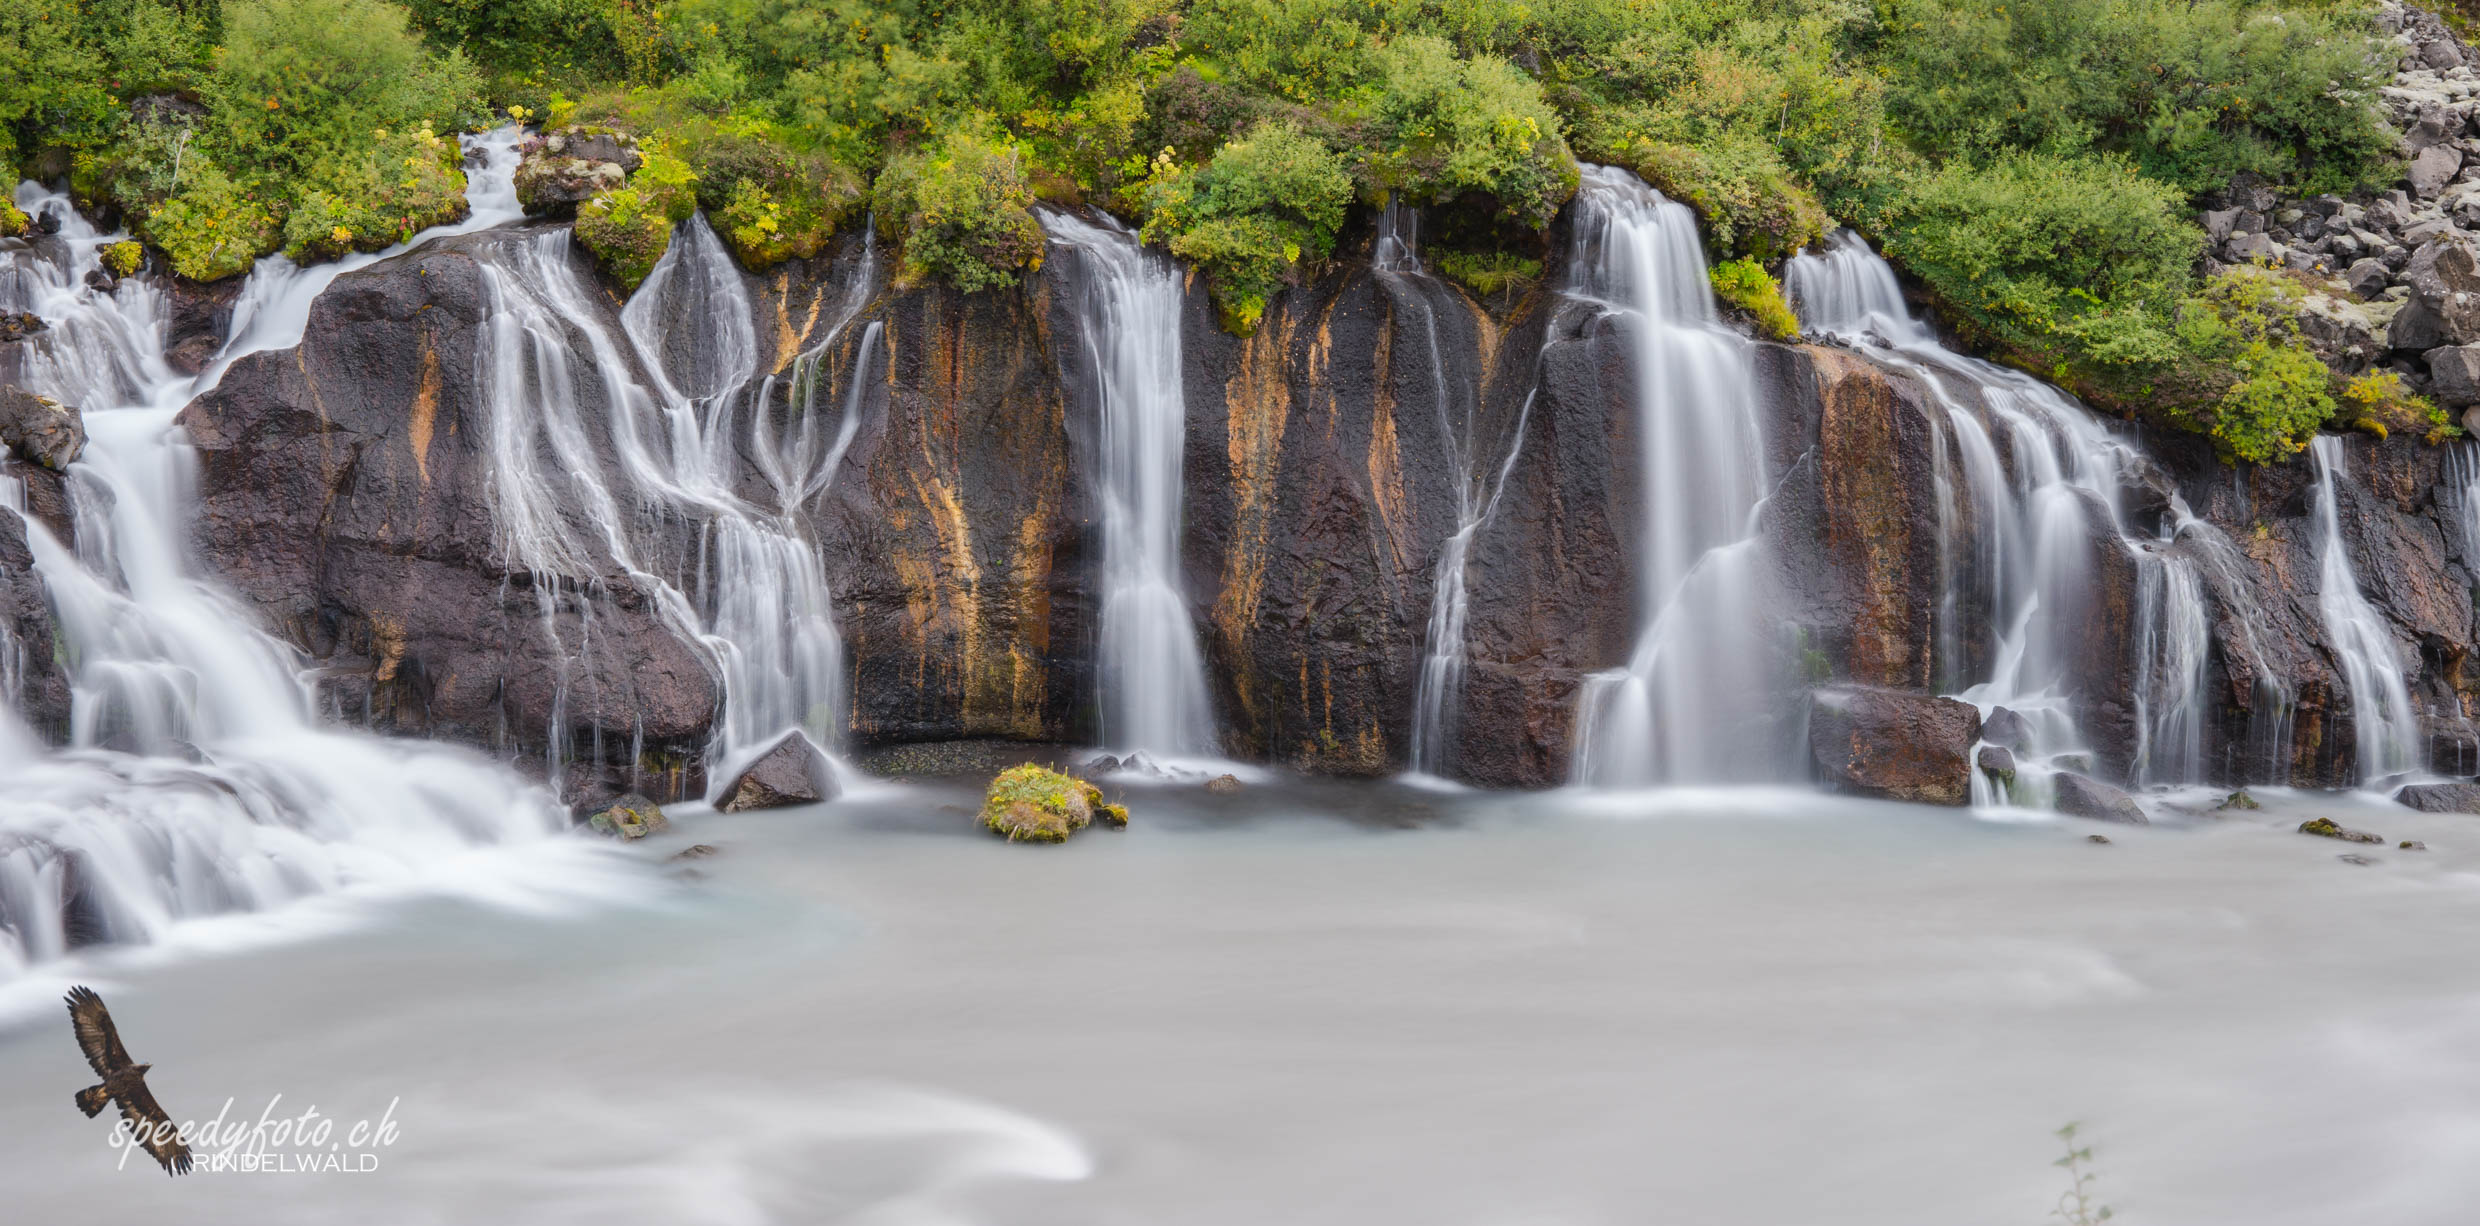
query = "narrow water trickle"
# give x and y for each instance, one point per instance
(1480, 470)
(199, 779)
(1692, 703)
(2385, 728)
(1154, 696)
(2034, 496)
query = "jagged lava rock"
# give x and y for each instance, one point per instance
(1893, 744)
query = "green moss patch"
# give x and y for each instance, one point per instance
(1035, 804)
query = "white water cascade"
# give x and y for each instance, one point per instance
(621, 440)
(1691, 705)
(1480, 471)
(2039, 479)
(1154, 696)
(2385, 728)
(198, 779)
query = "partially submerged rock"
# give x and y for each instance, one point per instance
(1896, 745)
(2414, 845)
(2239, 800)
(1223, 785)
(2440, 797)
(1035, 804)
(40, 430)
(2327, 828)
(18, 325)
(2084, 796)
(630, 817)
(792, 772)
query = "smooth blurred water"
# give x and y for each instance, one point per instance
(1346, 1004)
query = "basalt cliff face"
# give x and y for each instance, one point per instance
(346, 494)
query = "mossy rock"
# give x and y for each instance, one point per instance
(13, 220)
(1035, 804)
(630, 817)
(123, 258)
(2327, 828)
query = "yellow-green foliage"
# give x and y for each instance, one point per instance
(768, 200)
(630, 228)
(213, 227)
(1750, 203)
(2241, 338)
(1745, 284)
(1249, 217)
(123, 257)
(406, 182)
(13, 220)
(2378, 402)
(1488, 274)
(1456, 125)
(964, 211)
(1036, 804)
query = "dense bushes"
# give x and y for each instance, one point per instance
(964, 209)
(1251, 215)
(2031, 162)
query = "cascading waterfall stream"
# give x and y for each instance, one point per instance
(1395, 258)
(1687, 706)
(654, 480)
(2385, 727)
(1153, 674)
(2040, 480)
(198, 779)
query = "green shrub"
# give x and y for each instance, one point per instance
(1249, 217)
(1488, 274)
(1749, 202)
(304, 83)
(213, 227)
(2029, 246)
(138, 168)
(13, 220)
(2246, 379)
(630, 229)
(123, 257)
(1453, 126)
(406, 183)
(2379, 403)
(963, 211)
(769, 203)
(1745, 284)
(2189, 91)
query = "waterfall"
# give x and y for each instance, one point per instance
(1480, 478)
(2385, 729)
(2040, 481)
(198, 779)
(1690, 705)
(1128, 319)
(619, 441)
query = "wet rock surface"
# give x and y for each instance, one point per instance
(791, 772)
(2440, 797)
(1894, 745)
(40, 430)
(2082, 796)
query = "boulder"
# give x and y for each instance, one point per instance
(2007, 728)
(1893, 744)
(2440, 797)
(2366, 277)
(2454, 375)
(2084, 796)
(40, 430)
(791, 772)
(630, 817)
(1223, 785)
(2441, 55)
(564, 169)
(2433, 168)
(1035, 804)
(18, 325)
(2219, 223)
(2252, 248)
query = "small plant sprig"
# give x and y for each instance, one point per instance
(2075, 1205)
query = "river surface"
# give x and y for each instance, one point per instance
(1325, 1003)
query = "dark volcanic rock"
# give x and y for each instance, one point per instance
(793, 772)
(2080, 796)
(343, 492)
(2328, 828)
(1897, 745)
(40, 430)
(2440, 797)
(566, 168)
(27, 654)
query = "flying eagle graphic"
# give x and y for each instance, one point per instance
(124, 1082)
